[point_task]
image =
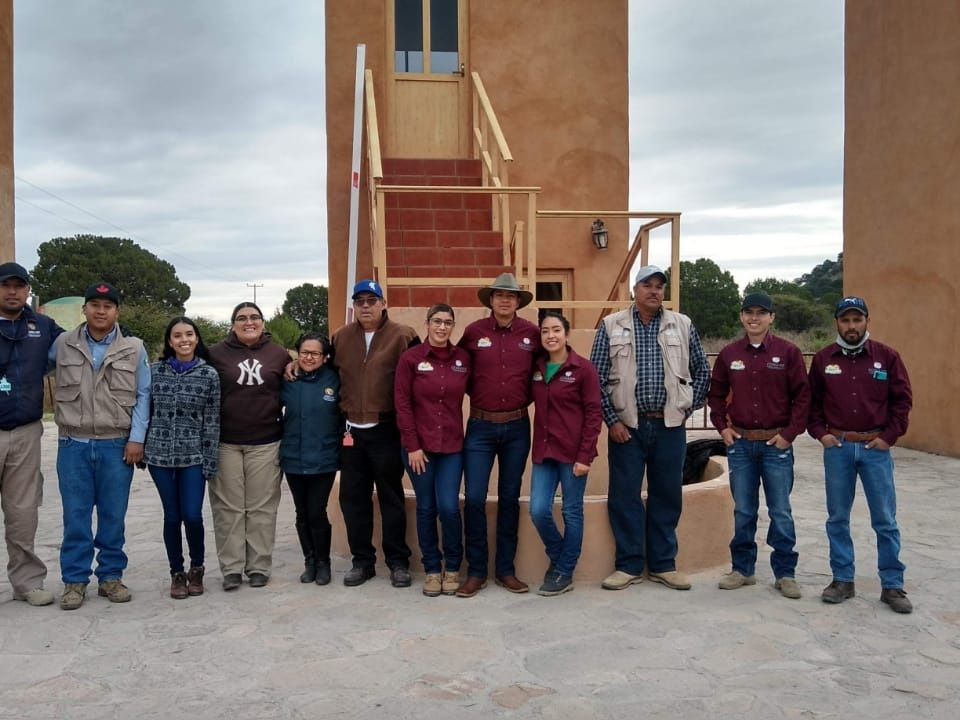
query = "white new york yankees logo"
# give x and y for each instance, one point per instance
(250, 372)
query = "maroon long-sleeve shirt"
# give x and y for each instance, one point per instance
(860, 393)
(503, 360)
(769, 385)
(568, 417)
(428, 391)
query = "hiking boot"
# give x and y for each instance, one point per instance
(734, 580)
(673, 579)
(36, 597)
(73, 595)
(178, 586)
(323, 573)
(433, 585)
(618, 580)
(358, 575)
(258, 580)
(788, 587)
(838, 591)
(195, 581)
(556, 584)
(309, 573)
(231, 581)
(450, 583)
(896, 598)
(114, 591)
(400, 577)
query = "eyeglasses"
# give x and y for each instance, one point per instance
(439, 322)
(366, 301)
(247, 318)
(310, 354)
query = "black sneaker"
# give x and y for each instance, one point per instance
(837, 591)
(323, 573)
(896, 598)
(556, 584)
(400, 577)
(358, 575)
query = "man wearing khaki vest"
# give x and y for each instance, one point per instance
(653, 375)
(102, 411)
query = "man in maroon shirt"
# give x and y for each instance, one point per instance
(503, 348)
(759, 399)
(860, 404)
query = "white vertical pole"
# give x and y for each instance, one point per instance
(355, 181)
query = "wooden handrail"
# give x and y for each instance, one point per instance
(491, 117)
(375, 163)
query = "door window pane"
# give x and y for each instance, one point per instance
(408, 39)
(444, 37)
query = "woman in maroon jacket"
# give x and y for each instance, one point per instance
(429, 386)
(566, 397)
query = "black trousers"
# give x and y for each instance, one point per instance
(310, 495)
(374, 462)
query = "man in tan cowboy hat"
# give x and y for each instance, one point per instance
(503, 347)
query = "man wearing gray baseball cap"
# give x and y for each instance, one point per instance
(653, 375)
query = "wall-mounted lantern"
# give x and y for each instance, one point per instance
(600, 234)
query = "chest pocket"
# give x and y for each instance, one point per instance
(121, 378)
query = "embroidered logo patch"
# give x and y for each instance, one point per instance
(538, 376)
(424, 367)
(832, 370)
(484, 342)
(737, 365)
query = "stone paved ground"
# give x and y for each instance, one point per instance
(294, 651)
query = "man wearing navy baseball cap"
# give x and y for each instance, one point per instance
(367, 351)
(860, 405)
(102, 410)
(25, 341)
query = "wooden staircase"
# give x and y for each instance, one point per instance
(438, 235)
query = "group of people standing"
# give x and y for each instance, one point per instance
(374, 401)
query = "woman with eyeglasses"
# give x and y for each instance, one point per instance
(310, 449)
(181, 449)
(245, 492)
(430, 383)
(566, 425)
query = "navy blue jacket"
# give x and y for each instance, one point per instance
(24, 346)
(311, 423)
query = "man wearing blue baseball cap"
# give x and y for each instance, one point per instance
(860, 405)
(366, 354)
(653, 375)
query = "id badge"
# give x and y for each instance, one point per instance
(5, 385)
(347, 439)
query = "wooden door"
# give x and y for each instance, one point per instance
(427, 92)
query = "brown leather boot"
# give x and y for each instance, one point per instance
(195, 581)
(178, 586)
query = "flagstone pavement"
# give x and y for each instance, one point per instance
(302, 651)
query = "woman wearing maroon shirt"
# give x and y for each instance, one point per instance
(566, 397)
(429, 386)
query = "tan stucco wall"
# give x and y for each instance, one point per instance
(902, 196)
(7, 251)
(556, 74)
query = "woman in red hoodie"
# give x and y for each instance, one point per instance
(245, 492)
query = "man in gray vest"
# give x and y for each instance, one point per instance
(653, 375)
(102, 411)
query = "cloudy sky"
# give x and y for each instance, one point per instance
(197, 129)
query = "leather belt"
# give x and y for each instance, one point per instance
(651, 415)
(757, 435)
(498, 417)
(852, 436)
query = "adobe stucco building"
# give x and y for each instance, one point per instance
(901, 197)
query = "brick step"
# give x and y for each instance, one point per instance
(444, 239)
(398, 258)
(416, 171)
(438, 201)
(430, 219)
(427, 296)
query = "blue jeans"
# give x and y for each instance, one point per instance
(841, 466)
(438, 494)
(646, 534)
(752, 463)
(181, 493)
(509, 444)
(563, 550)
(93, 475)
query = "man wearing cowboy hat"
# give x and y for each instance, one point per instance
(503, 347)
(860, 404)
(653, 375)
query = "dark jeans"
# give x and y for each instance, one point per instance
(438, 495)
(508, 444)
(374, 461)
(310, 495)
(181, 493)
(647, 534)
(563, 550)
